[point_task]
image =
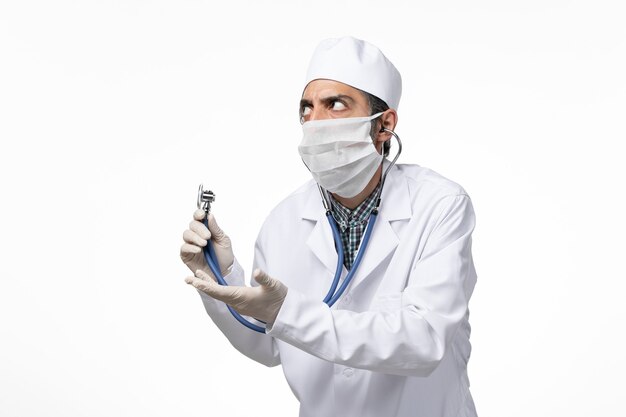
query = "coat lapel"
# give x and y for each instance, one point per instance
(320, 240)
(395, 206)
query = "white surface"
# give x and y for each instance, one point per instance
(111, 113)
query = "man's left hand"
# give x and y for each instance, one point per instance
(262, 302)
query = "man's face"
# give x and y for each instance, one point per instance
(327, 99)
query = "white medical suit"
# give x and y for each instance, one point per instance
(397, 342)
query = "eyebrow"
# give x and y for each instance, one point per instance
(326, 100)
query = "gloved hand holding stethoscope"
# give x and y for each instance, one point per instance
(262, 302)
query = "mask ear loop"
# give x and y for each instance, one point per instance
(393, 162)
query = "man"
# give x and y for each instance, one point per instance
(396, 343)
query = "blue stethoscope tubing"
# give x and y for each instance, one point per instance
(211, 260)
(333, 294)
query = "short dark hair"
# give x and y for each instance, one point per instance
(377, 106)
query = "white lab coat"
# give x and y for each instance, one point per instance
(397, 342)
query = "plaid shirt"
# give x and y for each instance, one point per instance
(352, 224)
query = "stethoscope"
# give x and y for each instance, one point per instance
(206, 197)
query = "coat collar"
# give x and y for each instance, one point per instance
(396, 201)
(396, 205)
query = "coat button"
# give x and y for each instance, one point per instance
(348, 372)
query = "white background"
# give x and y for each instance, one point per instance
(112, 113)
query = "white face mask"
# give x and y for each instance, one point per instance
(340, 153)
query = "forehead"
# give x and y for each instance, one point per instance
(318, 89)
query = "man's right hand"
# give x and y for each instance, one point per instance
(196, 238)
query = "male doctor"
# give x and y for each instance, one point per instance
(397, 341)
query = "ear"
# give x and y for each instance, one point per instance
(388, 120)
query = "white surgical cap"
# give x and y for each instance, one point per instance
(359, 64)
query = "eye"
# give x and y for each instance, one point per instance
(338, 105)
(305, 111)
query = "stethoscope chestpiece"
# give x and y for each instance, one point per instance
(205, 198)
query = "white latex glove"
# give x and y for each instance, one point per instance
(196, 238)
(262, 302)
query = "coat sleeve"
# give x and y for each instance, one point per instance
(412, 339)
(257, 346)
